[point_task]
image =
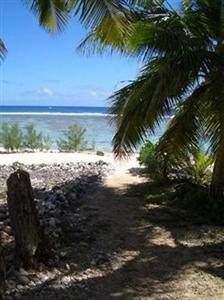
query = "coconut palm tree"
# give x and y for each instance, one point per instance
(182, 51)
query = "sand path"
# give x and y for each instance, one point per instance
(142, 259)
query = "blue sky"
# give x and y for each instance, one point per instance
(46, 70)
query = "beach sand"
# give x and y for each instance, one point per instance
(125, 170)
(61, 157)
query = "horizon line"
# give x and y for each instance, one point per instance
(25, 105)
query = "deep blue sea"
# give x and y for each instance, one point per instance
(54, 120)
(84, 110)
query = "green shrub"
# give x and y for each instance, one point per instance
(16, 136)
(46, 143)
(160, 198)
(199, 167)
(5, 137)
(11, 136)
(73, 140)
(195, 166)
(157, 165)
(149, 159)
(194, 199)
(32, 138)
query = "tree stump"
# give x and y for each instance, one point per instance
(24, 219)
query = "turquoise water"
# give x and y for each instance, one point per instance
(52, 121)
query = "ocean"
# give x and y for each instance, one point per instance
(54, 120)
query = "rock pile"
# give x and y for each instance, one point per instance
(45, 176)
(58, 191)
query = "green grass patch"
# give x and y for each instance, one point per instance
(161, 198)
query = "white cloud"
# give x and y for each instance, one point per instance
(41, 92)
(45, 91)
(93, 93)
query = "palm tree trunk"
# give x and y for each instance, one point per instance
(217, 183)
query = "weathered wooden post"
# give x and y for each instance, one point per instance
(24, 219)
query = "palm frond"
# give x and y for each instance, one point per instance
(93, 12)
(201, 167)
(184, 130)
(3, 50)
(214, 114)
(213, 15)
(52, 14)
(150, 33)
(107, 37)
(115, 22)
(141, 106)
(169, 33)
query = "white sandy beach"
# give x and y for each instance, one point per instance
(60, 157)
(121, 176)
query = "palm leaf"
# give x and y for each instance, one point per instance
(167, 34)
(93, 12)
(3, 50)
(141, 106)
(52, 14)
(214, 126)
(106, 37)
(184, 130)
(149, 33)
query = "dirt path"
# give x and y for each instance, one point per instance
(147, 261)
(127, 256)
(154, 262)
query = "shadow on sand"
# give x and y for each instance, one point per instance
(125, 256)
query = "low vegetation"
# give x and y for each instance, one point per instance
(195, 166)
(190, 200)
(199, 167)
(73, 140)
(13, 138)
(32, 138)
(157, 165)
(46, 143)
(184, 184)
